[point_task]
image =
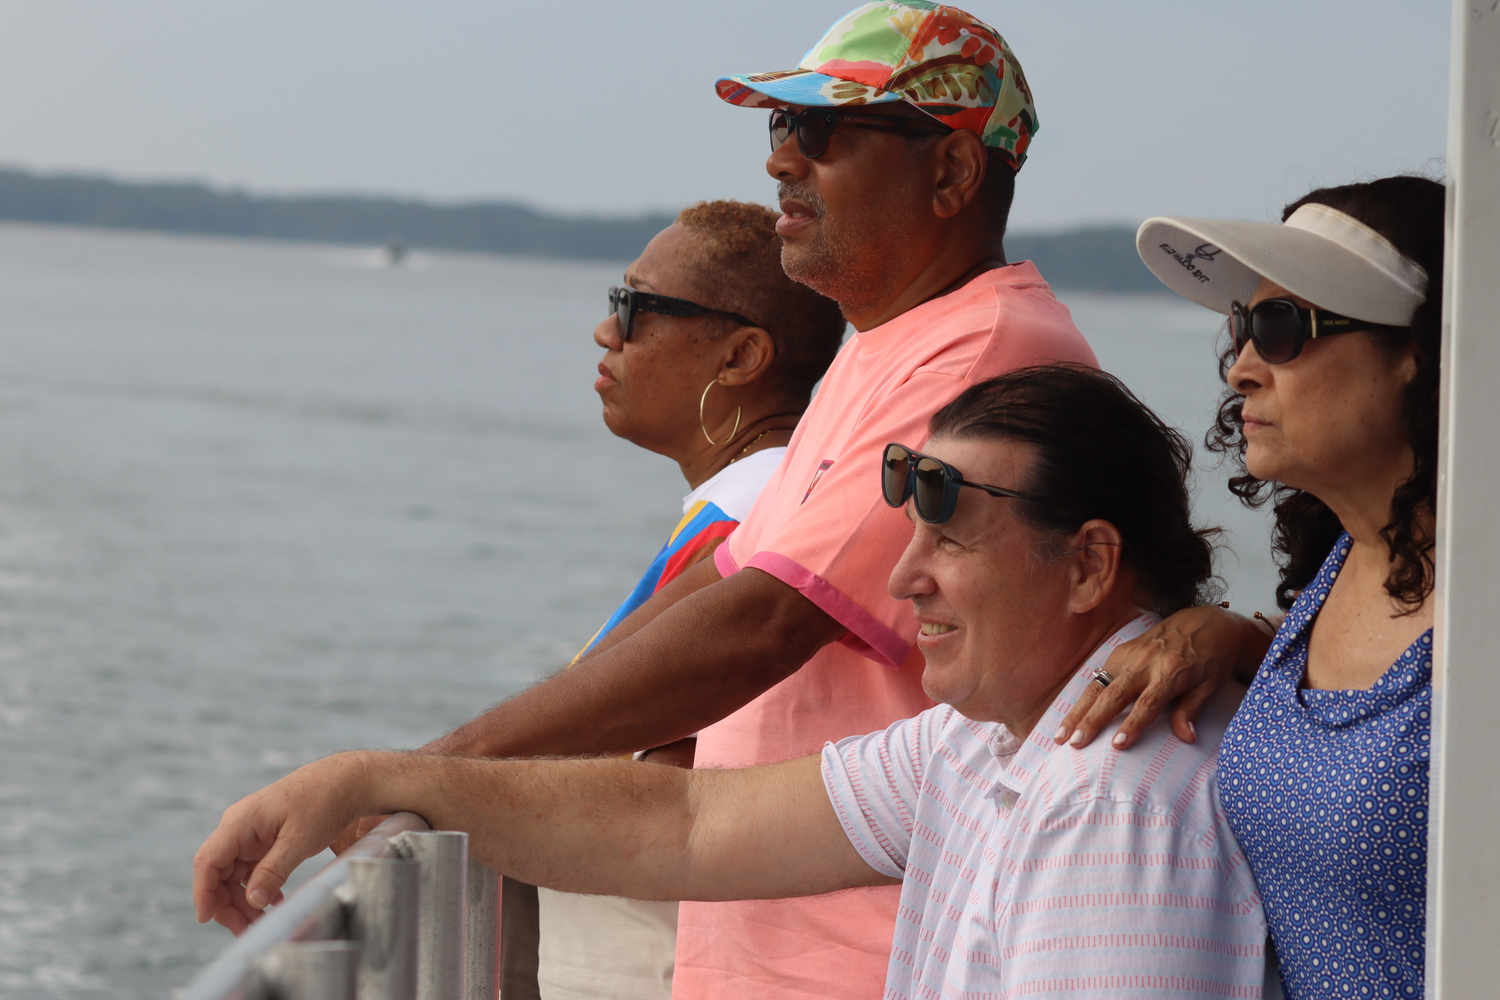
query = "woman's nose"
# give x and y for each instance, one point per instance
(1248, 371)
(607, 334)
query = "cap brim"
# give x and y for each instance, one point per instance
(1217, 263)
(804, 87)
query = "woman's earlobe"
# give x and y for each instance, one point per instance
(1409, 362)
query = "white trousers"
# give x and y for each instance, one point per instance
(604, 947)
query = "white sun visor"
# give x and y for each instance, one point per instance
(1323, 255)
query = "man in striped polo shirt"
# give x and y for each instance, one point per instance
(1026, 868)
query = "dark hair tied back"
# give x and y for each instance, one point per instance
(1408, 211)
(1100, 453)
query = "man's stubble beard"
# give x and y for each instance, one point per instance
(849, 263)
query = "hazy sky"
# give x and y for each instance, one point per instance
(1208, 107)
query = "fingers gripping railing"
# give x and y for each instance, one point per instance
(402, 915)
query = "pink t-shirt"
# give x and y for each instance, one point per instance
(821, 526)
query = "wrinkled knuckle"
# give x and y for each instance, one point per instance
(1108, 699)
(1150, 701)
(1110, 711)
(1098, 718)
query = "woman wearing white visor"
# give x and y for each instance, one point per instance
(1331, 413)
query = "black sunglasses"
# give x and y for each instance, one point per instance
(625, 302)
(1279, 327)
(814, 127)
(931, 482)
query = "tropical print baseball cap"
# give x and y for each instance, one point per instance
(941, 59)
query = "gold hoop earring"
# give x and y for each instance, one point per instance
(703, 424)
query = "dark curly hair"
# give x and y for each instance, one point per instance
(1408, 211)
(1101, 453)
(737, 267)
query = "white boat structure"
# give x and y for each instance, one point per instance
(1463, 875)
(404, 915)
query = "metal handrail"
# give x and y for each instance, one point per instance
(329, 907)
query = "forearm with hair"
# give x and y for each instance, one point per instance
(619, 828)
(694, 663)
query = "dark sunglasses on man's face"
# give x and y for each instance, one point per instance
(625, 302)
(814, 126)
(1279, 327)
(930, 483)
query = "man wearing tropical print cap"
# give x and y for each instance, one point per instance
(895, 145)
(895, 142)
(949, 64)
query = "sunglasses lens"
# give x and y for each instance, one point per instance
(622, 300)
(1239, 327)
(813, 127)
(781, 128)
(895, 474)
(1276, 329)
(1273, 325)
(931, 485)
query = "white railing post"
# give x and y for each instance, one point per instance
(483, 925)
(383, 895)
(318, 911)
(1463, 901)
(309, 970)
(444, 859)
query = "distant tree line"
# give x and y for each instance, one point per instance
(1093, 259)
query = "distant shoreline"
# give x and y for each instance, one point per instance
(1099, 258)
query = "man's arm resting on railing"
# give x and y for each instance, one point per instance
(697, 650)
(684, 664)
(597, 826)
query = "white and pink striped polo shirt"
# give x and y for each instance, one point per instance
(1033, 870)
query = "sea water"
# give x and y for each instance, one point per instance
(262, 501)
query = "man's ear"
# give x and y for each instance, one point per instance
(960, 167)
(1094, 551)
(749, 354)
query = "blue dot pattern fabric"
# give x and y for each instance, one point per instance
(1327, 793)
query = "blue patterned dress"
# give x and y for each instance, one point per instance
(1327, 793)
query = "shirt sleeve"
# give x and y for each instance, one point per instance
(1109, 896)
(873, 782)
(841, 542)
(699, 527)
